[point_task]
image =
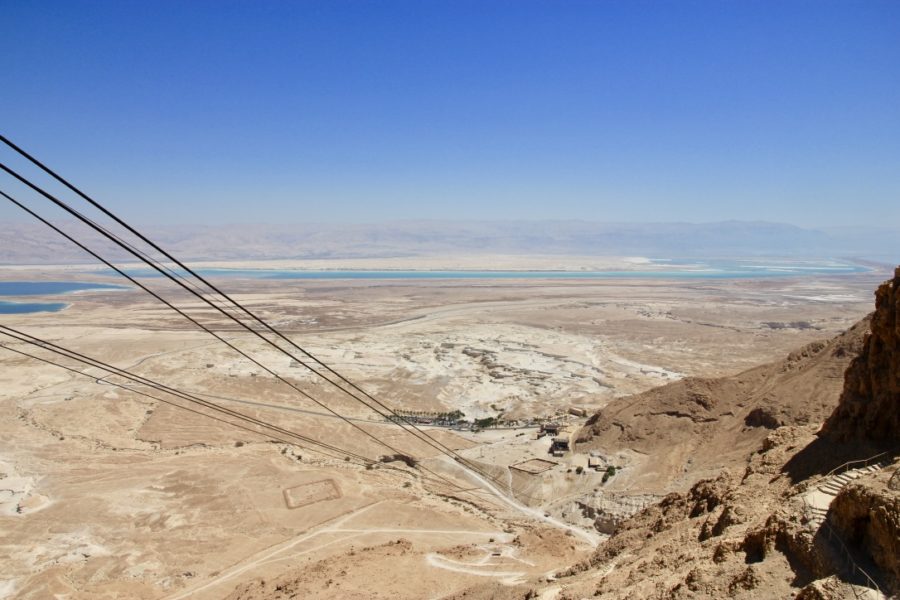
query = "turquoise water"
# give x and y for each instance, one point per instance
(43, 288)
(658, 269)
(668, 269)
(22, 308)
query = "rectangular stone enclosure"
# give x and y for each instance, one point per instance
(534, 466)
(310, 493)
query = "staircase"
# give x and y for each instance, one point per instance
(818, 500)
(816, 516)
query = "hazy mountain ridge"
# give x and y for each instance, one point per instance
(24, 243)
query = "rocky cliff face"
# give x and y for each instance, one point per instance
(746, 531)
(869, 408)
(739, 535)
(693, 428)
(867, 515)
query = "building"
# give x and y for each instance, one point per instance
(549, 429)
(559, 445)
(596, 463)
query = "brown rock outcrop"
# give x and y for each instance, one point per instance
(695, 427)
(869, 408)
(731, 536)
(745, 532)
(867, 515)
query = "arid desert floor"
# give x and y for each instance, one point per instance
(108, 494)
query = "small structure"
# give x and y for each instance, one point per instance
(559, 446)
(596, 463)
(549, 429)
(577, 411)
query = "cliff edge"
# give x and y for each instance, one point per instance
(869, 407)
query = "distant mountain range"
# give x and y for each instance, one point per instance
(26, 243)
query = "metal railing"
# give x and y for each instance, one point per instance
(845, 553)
(854, 568)
(814, 481)
(862, 462)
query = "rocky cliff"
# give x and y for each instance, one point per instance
(739, 535)
(867, 516)
(747, 530)
(692, 429)
(869, 408)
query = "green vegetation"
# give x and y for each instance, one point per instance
(417, 415)
(485, 422)
(610, 472)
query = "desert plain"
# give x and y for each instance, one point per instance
(105, 493)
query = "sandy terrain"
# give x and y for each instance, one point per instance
(107, 494)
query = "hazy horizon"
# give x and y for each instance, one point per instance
(21, 243)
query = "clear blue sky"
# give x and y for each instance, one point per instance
(379, 110)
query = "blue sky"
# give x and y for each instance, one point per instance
(222, 111)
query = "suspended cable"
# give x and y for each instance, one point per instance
(141, 380)
(190, 318)
(180, 280)
(221, 339)
(400, 420)
(111, 370)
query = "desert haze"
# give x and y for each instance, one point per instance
(29, 243)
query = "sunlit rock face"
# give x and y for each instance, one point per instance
(869, 408)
